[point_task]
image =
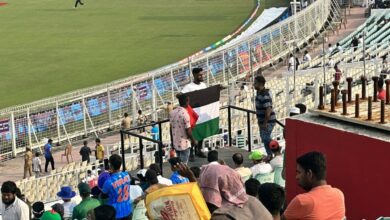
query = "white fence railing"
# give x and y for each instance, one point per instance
(91, 110)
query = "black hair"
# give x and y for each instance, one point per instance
(38, 208)
(156, 168)
(272, 196)
(115, 161)
(239, 132)
(97, 140)
(302, 108)
(182, 99)
(252, 187)
(139, 111)
(196, 171)
(37, 154)
(212, 156)
(9, 187)
(174, 161)
(196, 70)
(125, 114)
(85, 194)
(104, 212)
(238, 158)
(151, 176)
(314, 161)
(260, 79)
(85, 143)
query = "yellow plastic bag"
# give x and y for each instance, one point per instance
(177, 202)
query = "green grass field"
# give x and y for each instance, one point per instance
(48, 48)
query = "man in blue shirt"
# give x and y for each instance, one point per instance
(265, 115)
(117, 189)
(155, 131)
(48, 155)
(176, 178)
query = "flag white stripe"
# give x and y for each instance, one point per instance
(207, 112)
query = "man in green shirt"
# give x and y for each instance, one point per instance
(87, 203)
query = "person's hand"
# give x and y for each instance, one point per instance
(185, 171)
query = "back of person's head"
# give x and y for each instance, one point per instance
(272, 196)
(174, 161)
(151, 177)
(125, 114)
(115, 162)
(196, 70)
(252, 187)
(182, 99)
(260, 79)
(59, 208)
(104, 212)
(314, 162)
(238, 158)
(37, 154)
(156, 168)
(212, 156)
(196, 171)
(9, 187)
(37, 209)
(97, 140)
(306, 52)
(329, 45)
(140, 112)
(239, 132)
(302, 108)
(85, 143)
(291, 55)
(338, 44)
(274, 146)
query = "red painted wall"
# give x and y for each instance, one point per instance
(357, 165)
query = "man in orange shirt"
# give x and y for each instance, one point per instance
(321, 201)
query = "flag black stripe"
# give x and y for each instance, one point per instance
(204, 96)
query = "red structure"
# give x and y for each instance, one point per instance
(357, 164)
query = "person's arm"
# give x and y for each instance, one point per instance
(185, 171)
(189, 134)
(268, 112)
(24, 211)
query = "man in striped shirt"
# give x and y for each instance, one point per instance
(265, 115)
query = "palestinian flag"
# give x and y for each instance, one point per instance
(205, 103)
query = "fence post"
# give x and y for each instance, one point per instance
(172, 87)
(58, 122)
(123, 151)
(141, 150)
(109, 107)
(154, 108)
(133, 102)
(160, 147)
(208, 70)
(29, 128)
(248, 124)
(237, 62)
(84, 116)
(223, 67)
(13, 134)
(230, 125)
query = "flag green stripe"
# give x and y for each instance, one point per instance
(206, 129)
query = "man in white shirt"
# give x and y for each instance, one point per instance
(196, 84)
(244, 172)
(11, 207)
(277, 160)
(330, 49)
(306, 57)
(161, 179)
(339, 48)
(37, 169)
(291, 63)
(66, 194)
(260, 167)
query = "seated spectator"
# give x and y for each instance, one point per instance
(260, 167)
(294, 111)
(66, 194)
(321, 201)
(154, 184)
(381, 90)
(59, 208)
(240, 139)
(225, 195)
(11, 207)
(38, 208)
(87, 203)
(252, 187)
(277, 160)
(272, 196)
(244, 172)
(161, 179)
(306, 57)
(141, 177)
(103, 212)
(212, 157)
(51, 215)
(117, 187)
(176, 178)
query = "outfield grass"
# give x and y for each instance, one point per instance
(48, 48)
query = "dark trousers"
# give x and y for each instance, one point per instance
(51, 160)
(197, 148)
(78, 2)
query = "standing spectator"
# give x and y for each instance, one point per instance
(87, 203)
(306, 57)
(68, 152)
(196, 84)
(272, 196)
(154, 131)
(37, 165)
(126, 123)
(260, 166)
(161, 179)
(37, 209)
(181, 129)
(117, 189)
(141, 120)
(355, 43)
(48, 155)
(244, 172)
(321, 201)
(85, 152)
(338, 74)
(381, 90)
(99, 149)
(11, 207)
(66, 194)
(330, 49)
(28, 157)
(291, 63)
(252, 186)
(265, 115)
(277, 160)
(176, 178)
